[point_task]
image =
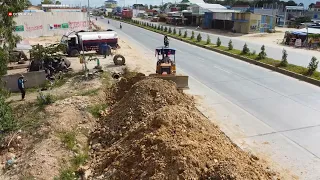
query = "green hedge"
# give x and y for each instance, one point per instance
(253, 56)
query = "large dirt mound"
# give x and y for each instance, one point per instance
(155, 132)
(144, 97)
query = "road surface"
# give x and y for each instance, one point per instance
(276, 115)
(300, 57)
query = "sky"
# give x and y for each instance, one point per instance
(130, 2)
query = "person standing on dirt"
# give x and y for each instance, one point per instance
(21, 86)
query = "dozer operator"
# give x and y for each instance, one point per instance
(166, 41)
(166, 67)
(165, 59)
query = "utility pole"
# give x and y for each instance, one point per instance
(137, 8)
(88, 9)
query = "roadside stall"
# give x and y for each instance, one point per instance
(306, 37)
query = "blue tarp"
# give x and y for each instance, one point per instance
(299, 33)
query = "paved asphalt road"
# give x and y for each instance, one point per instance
(276, 115)
(294, 56)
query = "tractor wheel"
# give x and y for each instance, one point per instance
(74, 53)
(119, 60)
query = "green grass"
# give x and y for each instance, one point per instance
(45, 99)
(95, 109)
(291, 67)
(69, 172)
(69, 139)
(79, 160)
(106, 79)
(66, 174)
(91, 92)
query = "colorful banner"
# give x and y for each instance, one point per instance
(19, 28)
(58, 26)
(65, 25)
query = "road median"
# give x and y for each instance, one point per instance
(291, 70)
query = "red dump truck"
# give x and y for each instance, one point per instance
(126, 14)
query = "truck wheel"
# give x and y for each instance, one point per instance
(119, 60)
(74, 53)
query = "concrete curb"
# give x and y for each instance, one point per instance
(20, 66)
(236, 56)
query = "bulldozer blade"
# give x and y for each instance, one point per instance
(180, 81)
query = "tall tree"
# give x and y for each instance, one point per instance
(28, 3)
(311, 5)
(46, 2)
(7, 26)
(58, 2)
(291, 3)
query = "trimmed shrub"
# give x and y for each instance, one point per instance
(245, 49)
(262, 54)
(313, 65)
(208, 40)
(180, 33)
(199, 38)
(218, 42)
(185, 35)
(174, 31)
(284, 61)
(192, 35)
(230, 45)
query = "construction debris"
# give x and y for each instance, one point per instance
(48, 59)
(153, 131)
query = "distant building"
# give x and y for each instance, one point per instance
(60, 7)
(241, 8)
(316, 7)
(110, 4)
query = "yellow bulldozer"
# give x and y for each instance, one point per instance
(166, 67)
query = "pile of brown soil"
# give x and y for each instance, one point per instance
(155, 132)
(117, 91)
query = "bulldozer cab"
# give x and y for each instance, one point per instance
(166, 67)
(166, 61)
